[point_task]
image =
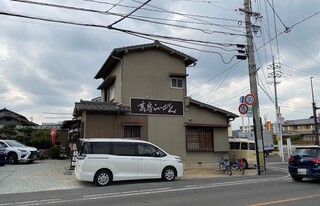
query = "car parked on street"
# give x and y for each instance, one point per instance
(304, 162)
(3, 156)
(18, 152)
(103, 160)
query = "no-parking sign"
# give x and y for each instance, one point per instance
(243, 108)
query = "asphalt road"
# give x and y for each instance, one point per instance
(273, 188)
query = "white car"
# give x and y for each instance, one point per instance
(103, 160)
(17, 152)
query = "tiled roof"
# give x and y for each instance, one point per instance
(299, 122)
(118, 53)
(215, 109)
(95, 106)
(5, 113)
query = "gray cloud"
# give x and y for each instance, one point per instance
(46, 67)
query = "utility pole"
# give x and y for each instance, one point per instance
(254, 88)
(275, 73)
(314, 108)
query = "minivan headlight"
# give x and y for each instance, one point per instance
(178, 159)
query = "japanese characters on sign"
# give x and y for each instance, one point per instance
(153, 106)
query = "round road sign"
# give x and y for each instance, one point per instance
(250, 99)
(243, 108)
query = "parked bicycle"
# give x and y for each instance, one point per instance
(224, 165)
(238, 166)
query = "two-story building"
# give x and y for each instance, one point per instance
(302, 129)
(144, 96)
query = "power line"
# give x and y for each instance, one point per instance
(287, 30)
(169, 12)
(126, 16)
(275, 13)
(124, 31)
(190, 91)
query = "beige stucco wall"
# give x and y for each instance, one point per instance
(100, 125)
(146, 74)
(168, 132)
(201, 115)
(196, 115)
(118, 82)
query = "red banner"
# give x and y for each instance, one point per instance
(53, 134)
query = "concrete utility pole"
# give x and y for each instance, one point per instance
(314, 108)
(254, 88)
(274, 75)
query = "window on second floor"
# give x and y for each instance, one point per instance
(176, 83)
(110, 93)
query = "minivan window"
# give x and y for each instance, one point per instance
(95, 148)
(99, 148)
(150, 150)
(124, 148)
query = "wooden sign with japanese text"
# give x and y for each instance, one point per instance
(155, 106)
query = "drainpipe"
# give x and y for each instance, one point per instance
(121, 74)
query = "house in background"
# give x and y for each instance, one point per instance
(20, 123)
(302, 129)
(8, 117)
(144, 96)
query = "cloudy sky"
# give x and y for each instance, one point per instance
(46, 66)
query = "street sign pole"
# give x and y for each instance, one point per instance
(254, 87)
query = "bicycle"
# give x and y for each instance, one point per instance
(237, 166)
(224, 165)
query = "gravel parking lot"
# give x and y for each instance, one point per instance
(41, 175)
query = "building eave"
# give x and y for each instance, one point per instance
(118, 53)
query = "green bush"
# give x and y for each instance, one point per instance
(41, 142)
(54, 152)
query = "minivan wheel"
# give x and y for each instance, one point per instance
(102, 178)
(168, 174)
(12, 158)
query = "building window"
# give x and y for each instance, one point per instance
(199, 139)
(176, 83)
(110, 93)
(132, 132)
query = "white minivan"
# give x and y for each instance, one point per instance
(103, 160)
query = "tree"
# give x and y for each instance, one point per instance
(8, 131)
(26, 134)
(41, 139)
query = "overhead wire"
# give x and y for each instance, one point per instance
(290, 28)
(207, 31)
(191, 90)
(275, 26)
(126, 16)
(213, 93)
